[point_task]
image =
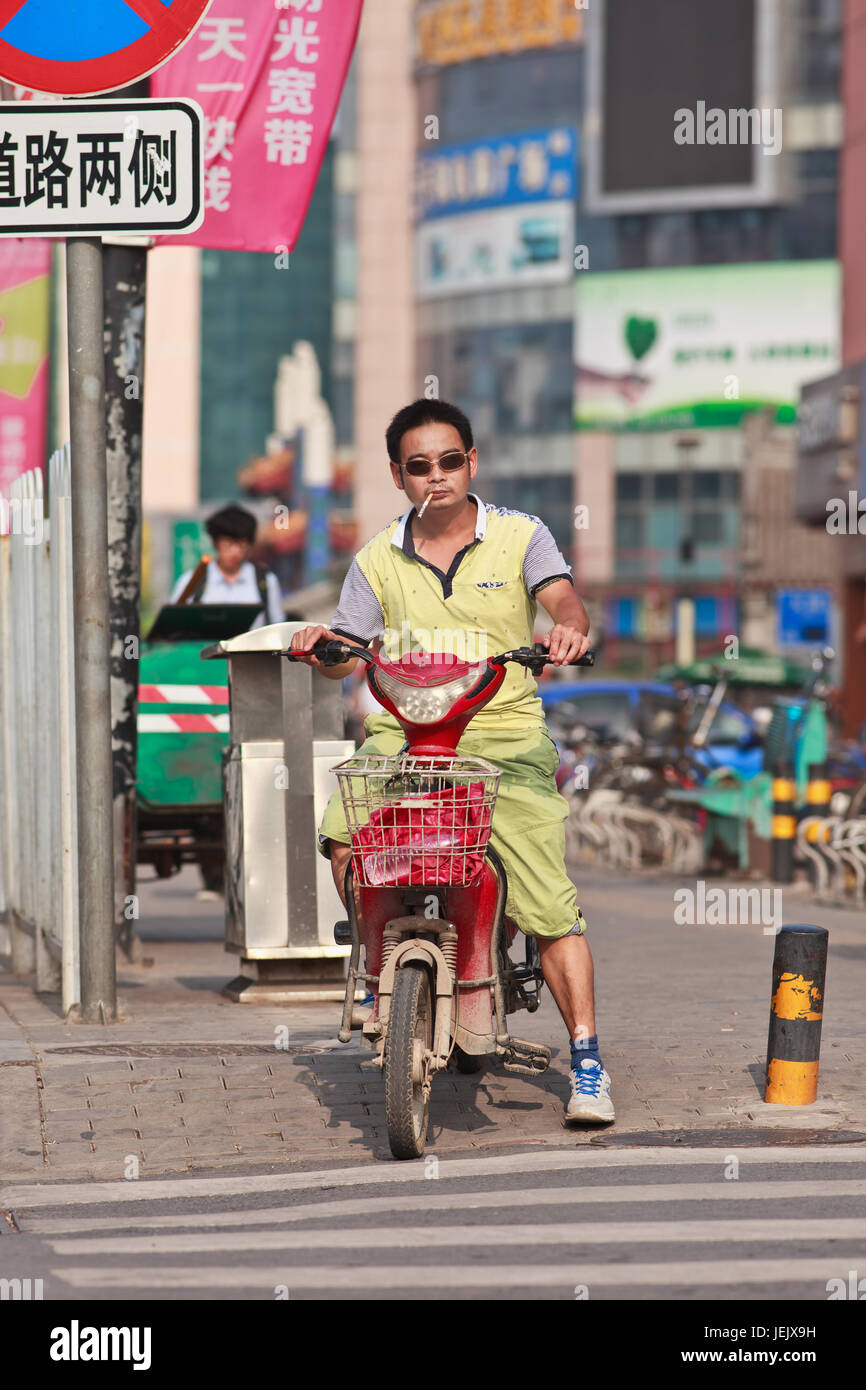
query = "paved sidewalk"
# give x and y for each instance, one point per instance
(191, 1081)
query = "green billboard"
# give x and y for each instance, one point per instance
(701, 346)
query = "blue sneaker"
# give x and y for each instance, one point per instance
(590, 1093)
(368, 1001)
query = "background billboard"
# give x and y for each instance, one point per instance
(25, 268)
(676, 349)
(497, 212)
(646, 62)
(457, 31)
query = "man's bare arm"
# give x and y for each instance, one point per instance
(569, 637)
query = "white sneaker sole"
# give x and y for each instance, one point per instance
(599, 1111)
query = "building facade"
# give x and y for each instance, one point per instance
(496, 187)
(711, 293)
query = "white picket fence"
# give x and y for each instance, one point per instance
(38, 841)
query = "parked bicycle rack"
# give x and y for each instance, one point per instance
(831, 845)
(603, 827)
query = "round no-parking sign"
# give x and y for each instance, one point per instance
(81, 47)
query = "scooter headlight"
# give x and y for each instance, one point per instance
(425, 704)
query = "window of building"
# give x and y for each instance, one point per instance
(629, 530)
(520, 91)
(706, 486)
(628, 487)
(665, 487)
(523, 372)
(707, 528)
(664, 527)
(817, 56)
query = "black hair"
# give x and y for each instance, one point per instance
(424, 412)
(234, 522)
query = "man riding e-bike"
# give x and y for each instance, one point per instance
(455, 570)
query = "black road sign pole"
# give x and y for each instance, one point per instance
(91, 628)
(124, 285)
(124, 274)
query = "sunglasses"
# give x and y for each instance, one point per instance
(449, 463)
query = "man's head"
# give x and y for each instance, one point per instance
(232, 530)
(423, 439)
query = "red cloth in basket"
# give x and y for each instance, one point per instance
(436, 837)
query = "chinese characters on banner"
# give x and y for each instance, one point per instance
(268, 77)
(24, 332)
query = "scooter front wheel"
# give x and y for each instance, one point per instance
(410, 1035)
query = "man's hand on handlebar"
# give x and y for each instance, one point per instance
(565, 644)
(308, 637)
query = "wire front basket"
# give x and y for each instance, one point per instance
(418, 820)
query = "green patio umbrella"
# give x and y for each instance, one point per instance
(751, 667)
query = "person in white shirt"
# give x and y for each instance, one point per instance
(230, 576)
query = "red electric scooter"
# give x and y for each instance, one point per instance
(425, 892)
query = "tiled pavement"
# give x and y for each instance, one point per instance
(190, 1081)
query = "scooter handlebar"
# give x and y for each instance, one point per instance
(329, 652)
(334, 653)
(537, 656)
(588, 658)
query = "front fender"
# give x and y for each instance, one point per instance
(428, 954)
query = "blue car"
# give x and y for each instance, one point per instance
(621, 709)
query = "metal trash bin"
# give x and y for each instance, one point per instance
(281, 903)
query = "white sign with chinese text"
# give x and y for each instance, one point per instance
(84, 168)
(499, 248)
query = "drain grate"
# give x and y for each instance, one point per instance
(738, 1138)
(186, 1050)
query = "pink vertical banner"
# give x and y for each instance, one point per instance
(25, 317)
(268, 77)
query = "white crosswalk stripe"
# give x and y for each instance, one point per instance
(653, 1193)
(574, 1159)
(426, 1237)
(575, 1233)
(562, 1277)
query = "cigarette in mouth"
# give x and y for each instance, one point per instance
(426, 504)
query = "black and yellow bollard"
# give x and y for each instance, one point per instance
(796, 1011)
(818, 793)
(784, 823)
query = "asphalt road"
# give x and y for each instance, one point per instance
(768, 1205)
(595, 1223)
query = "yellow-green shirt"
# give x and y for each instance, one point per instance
(484, 605)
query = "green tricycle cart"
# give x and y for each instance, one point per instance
(183, 728)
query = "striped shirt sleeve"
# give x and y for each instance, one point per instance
(543, 561)
(359, 612)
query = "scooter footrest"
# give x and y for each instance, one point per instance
(526, 1058)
